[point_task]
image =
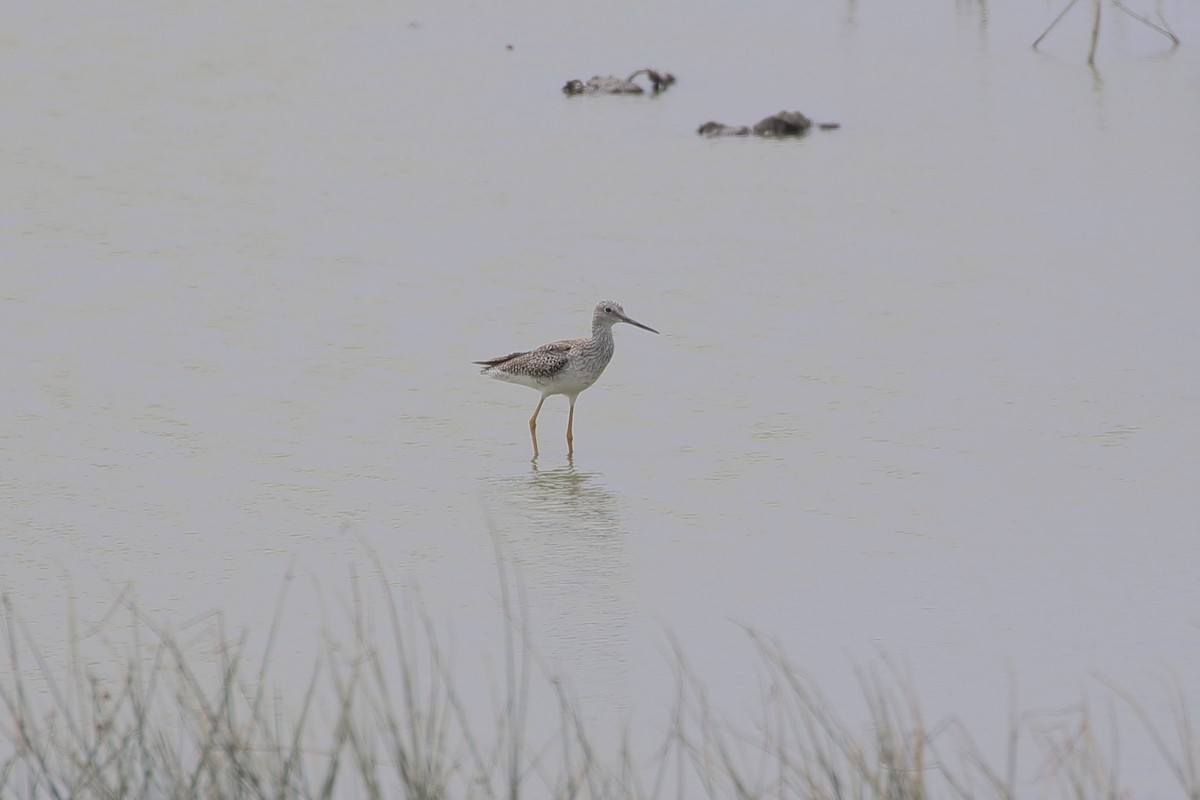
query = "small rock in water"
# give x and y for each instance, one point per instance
(610, 84)
(785, 123)
(721, 129)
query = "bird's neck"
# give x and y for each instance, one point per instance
(601, 333)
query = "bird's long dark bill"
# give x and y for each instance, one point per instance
(638, 324)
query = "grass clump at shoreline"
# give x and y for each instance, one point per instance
(382, 718)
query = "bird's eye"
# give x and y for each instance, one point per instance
(608, 309)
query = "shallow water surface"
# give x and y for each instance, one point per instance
(925, 387)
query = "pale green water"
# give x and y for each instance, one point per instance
(926, 384)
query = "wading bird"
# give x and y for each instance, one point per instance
(567, 367)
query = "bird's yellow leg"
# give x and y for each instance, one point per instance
(533, 425)
(571, 429)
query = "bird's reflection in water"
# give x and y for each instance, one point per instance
(561, 529)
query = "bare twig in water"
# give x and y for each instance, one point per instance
(1057, 19)
(1164, 29)
(1095, 34)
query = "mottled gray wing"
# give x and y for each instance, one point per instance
(547, 360)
